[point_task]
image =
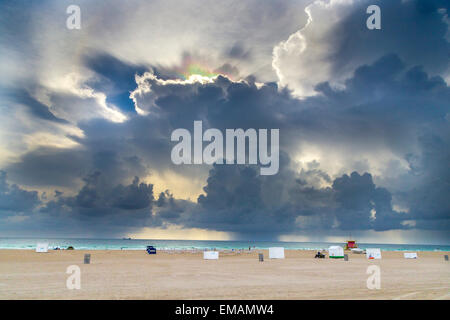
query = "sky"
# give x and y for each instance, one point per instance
(86, 117)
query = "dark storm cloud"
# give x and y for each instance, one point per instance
(135, 196)
(14, 199)
(386, 99)
(53, 167)
(387, 103)
(409, 28)
(97, 193)
(235, 201)
(362, 205)
(50, 167)
(337, 41)
(429, 199)
(100, 205)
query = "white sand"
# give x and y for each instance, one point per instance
(25, 274)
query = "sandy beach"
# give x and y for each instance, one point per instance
(25, 274)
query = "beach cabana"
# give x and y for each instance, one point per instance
(373, 253)
(410, 255)
(42, 247)
(211, 255)
(276, 253)
(336, 252)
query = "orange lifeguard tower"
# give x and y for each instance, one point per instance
(351, 244)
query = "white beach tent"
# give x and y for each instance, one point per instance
(211, 255)
(410, 255)
(42, 247)
(276, 253)
(373, 253)
(335, 252)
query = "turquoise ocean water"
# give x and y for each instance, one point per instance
(139, 244)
